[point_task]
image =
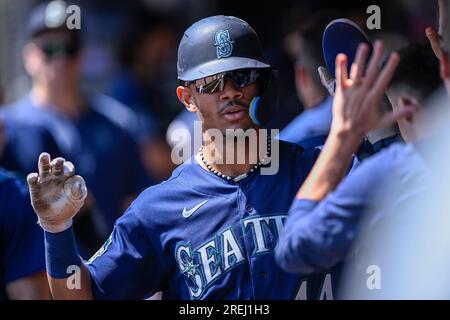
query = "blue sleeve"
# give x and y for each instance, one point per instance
(22, 240)
(317, 235)
(128, 265)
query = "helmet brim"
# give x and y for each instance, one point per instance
(221, 65)
(342, 36)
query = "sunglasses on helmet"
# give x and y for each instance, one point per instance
(216, 82)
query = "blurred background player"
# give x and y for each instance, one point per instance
(145, 53)
(311, 127)
(416, 78)
(100, 148)
(22, 261)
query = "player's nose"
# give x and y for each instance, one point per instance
(230, 91)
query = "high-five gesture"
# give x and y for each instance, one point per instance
(57, 194)
(358, 99)
(357, 109)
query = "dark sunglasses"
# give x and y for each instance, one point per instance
(216, 82)
(63, 48)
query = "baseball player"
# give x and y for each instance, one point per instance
(75, 120)
(22, 263)
(208, 232)
(336, 215)
(344, 36)
(311, 127)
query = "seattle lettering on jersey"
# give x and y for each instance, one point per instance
(217, 256)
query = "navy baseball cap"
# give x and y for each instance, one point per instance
(48, 16)
(342, 36)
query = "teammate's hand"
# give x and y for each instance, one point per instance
(357, 101)
(56, 193)
(327, 80)
(435, 37)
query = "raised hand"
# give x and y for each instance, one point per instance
(357, 101)
(435, 36)
(57, 194)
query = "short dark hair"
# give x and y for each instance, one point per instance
(418, 70)
(142, 24)
(310, 54)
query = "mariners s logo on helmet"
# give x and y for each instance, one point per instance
(223, 43)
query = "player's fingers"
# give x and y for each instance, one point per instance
(374, 64)
(44, 165)
(391, 117)
(434, 39)
(57, 166)
(33, 183)
(357, 69)
(75, 188)
(32, 179)
(327, 80)
(386, 75)
(69, 169)
(341, 71)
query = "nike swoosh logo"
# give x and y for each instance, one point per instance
(188, 213)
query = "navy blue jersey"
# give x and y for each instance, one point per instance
(102, 152)
(24, 142)
(311, 127)
(21, 239)
(198, 236)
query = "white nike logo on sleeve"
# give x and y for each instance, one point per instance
(188, 213)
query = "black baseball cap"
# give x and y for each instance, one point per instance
(49, 16)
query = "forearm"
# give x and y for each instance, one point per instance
(331, 166)
(318, 235)
(69, 289)
(68, 277)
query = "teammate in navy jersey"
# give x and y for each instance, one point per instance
(209, 232)
(23, 142)
(22, 263)
(58, 108)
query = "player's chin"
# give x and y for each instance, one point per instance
(243, 125)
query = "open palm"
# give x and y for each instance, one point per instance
(357, 101)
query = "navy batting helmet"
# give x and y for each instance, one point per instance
(342, 36)
(217, 44)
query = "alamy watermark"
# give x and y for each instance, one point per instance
(374, 20)
(59, 13)
(73, 282)
(373, 281)
(235, 146)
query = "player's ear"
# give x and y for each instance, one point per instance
(184, 94)
(30, 57)
(408, 101)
